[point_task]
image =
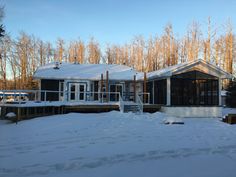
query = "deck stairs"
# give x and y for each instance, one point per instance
(132, 107)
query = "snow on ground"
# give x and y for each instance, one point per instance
(117, 144)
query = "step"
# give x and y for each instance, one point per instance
(131, 108)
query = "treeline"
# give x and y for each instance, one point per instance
(20, 57)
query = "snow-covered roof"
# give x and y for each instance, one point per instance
(186, 66)
(122, 72)
(85, 71)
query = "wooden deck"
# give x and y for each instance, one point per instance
(28, 112)
(91, 108)
(151, 108)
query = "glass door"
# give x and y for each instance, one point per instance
(81, 92)
(77, 92)
(72, 92)
(118, 88)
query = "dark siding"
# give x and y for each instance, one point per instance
(51, 85)
(150, 91)
(160, 91)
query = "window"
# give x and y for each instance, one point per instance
(61, 90)
(194, 88)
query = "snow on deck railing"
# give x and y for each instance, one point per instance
(144, 97)
(43, 96)
(140, 103)
(23, 96)
(121, 103)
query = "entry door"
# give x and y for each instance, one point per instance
(77, 92)
(81, 92)
(116, 88)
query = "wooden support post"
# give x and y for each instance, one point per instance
(18, 114)
(35, 111)
(107, 86)
(44, 111)
(101, 88)
(3, 112)
(134, 88)
(27, 112)
(61, 109)
(53, 110)
(145, 88)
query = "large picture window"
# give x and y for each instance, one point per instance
(194, 88)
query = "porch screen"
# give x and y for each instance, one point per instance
(194, 88)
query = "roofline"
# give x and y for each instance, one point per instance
(194, 62)
(40, 78)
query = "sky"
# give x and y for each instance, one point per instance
(111, 21)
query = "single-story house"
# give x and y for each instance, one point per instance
(86, 82)
(187, 89)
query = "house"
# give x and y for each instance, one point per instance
(190, 89)
(87, 82)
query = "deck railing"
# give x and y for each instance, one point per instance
(121, 103)
(139, 102)
(22, 96)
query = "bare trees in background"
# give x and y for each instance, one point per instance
(76, 52)
(2, 30)
(94, 52)
(19, 58)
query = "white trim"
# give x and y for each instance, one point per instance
(220, 86)
(168, 92)
(184, 67)
(193, 111)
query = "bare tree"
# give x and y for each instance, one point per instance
(22, 48)
(94, 53)
(4, 51)
(229, 47)
(2, 30)
(60, 49)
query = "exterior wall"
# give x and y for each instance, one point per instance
(90, 87)
(159, 91)
(50, 85)
(209, 111)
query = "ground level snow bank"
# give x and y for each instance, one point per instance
(115, 144)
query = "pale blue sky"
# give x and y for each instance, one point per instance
(111, 21)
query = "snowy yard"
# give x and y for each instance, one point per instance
(117, 145)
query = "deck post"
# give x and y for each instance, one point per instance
(144, 87)
(44, 111)
(3, 112)
(18, 114)
(168, 101)
(219, 92)
(107, 85)
(27, 112)
(134, 88)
